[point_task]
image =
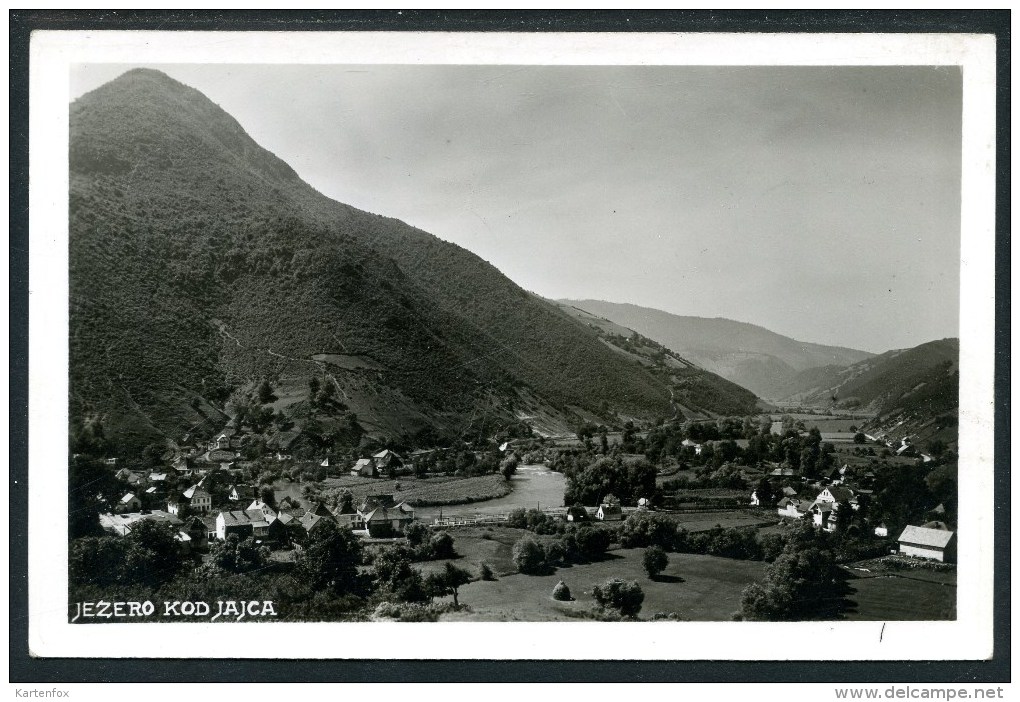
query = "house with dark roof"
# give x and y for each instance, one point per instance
(934, 544)
(387, 460)
(577, 513)
(609, 513)
(793, 508)
(241, 493)
(382, 516)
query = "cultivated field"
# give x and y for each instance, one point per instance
(446, 490)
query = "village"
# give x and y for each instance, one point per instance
(204, 497)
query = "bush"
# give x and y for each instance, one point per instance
(654, 560)
(561, 592)
(529, 556)
(442, 546)
(620, 596)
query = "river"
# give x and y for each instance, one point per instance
(535, 486)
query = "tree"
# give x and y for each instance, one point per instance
(509, 466)
(331, 558)
(441, 545)
(313, 388)
(239, 556)
(416, 534)
(394, 571)
(764, 492)
(655, 561)
(624, 597)
(265, 393)
(592, 543)
(860, 438)
(485, 572)
(454, 577)
(529, 556)
(268, 495)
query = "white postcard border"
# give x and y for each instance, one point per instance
(51, 56)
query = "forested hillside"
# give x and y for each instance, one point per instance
(751, 356)
(201, 266)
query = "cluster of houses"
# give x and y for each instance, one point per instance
(932, 540)
(378, 516)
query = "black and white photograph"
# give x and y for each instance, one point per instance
(403, 341)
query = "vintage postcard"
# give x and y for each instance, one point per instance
(537, 346)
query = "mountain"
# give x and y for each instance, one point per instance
(204, 273)
(692, 388)
(923, 377)
(751, 356)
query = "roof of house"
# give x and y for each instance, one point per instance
(840, 493)
(610, 509)
(942, 526)
(789, 491)
(362, 462)
(922, 536)
(822, 506)
(127, 498)
(243, 491)
(156, 477)
(577, 511)
(237, 518)
(386, 453)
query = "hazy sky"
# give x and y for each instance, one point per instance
(821, 203)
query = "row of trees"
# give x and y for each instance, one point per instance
(587, 543)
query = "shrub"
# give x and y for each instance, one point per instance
(561, 592)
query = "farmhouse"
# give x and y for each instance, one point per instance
(260, 506)
(936, 544)
(382, 516)
(609, 513)
(244, 523)
(196, 496)
(387, 460)
(790, 507)
(577, 513)
(241, 493)
(129, 503)
(364, 468)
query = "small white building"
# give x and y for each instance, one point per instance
(609, 513)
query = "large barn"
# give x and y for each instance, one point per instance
(921, 542)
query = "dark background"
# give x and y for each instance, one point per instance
(24, 668)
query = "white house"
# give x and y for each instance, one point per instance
(936, 544)
(790, 507)
(364, 468)
(609, 513)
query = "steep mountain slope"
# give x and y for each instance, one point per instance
(925, 377)
(751, 356)
(692, 387)
(201, 265)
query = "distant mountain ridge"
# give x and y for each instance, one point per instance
(202, 265)
(751, 356)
